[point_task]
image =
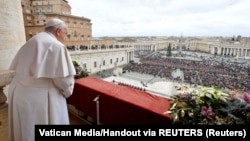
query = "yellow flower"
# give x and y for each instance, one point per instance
(191, 114)
(182, 104)
(182, 113)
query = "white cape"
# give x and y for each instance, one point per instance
(37, 94)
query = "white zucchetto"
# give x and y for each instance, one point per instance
(53, 22)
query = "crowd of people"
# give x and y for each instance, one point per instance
(212, 71)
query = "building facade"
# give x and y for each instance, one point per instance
(36, 13)
(94, 55)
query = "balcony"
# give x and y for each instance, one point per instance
(5, 78)
(128, 105)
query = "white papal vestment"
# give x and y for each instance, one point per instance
(37, 94)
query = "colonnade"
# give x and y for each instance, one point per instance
(145, 47)
(233, 51)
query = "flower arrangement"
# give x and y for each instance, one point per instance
(80, 73)
(198, 105)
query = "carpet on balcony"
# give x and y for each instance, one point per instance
(118, 104)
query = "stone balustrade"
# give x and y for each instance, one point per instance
(5, 78)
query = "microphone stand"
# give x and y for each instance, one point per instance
(96, 100)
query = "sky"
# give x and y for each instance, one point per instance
(119, 18)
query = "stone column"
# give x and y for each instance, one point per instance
(12, 37)
(11, 30)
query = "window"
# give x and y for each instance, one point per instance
(103, 62)
(84, 66)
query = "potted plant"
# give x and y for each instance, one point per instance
(80, 73)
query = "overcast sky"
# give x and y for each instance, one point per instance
(165, 17)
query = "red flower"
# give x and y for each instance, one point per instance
(207, 112)
(246, 96)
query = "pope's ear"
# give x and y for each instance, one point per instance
(58, 30)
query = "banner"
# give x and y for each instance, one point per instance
(79, 132)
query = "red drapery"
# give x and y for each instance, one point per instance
(118, 105)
